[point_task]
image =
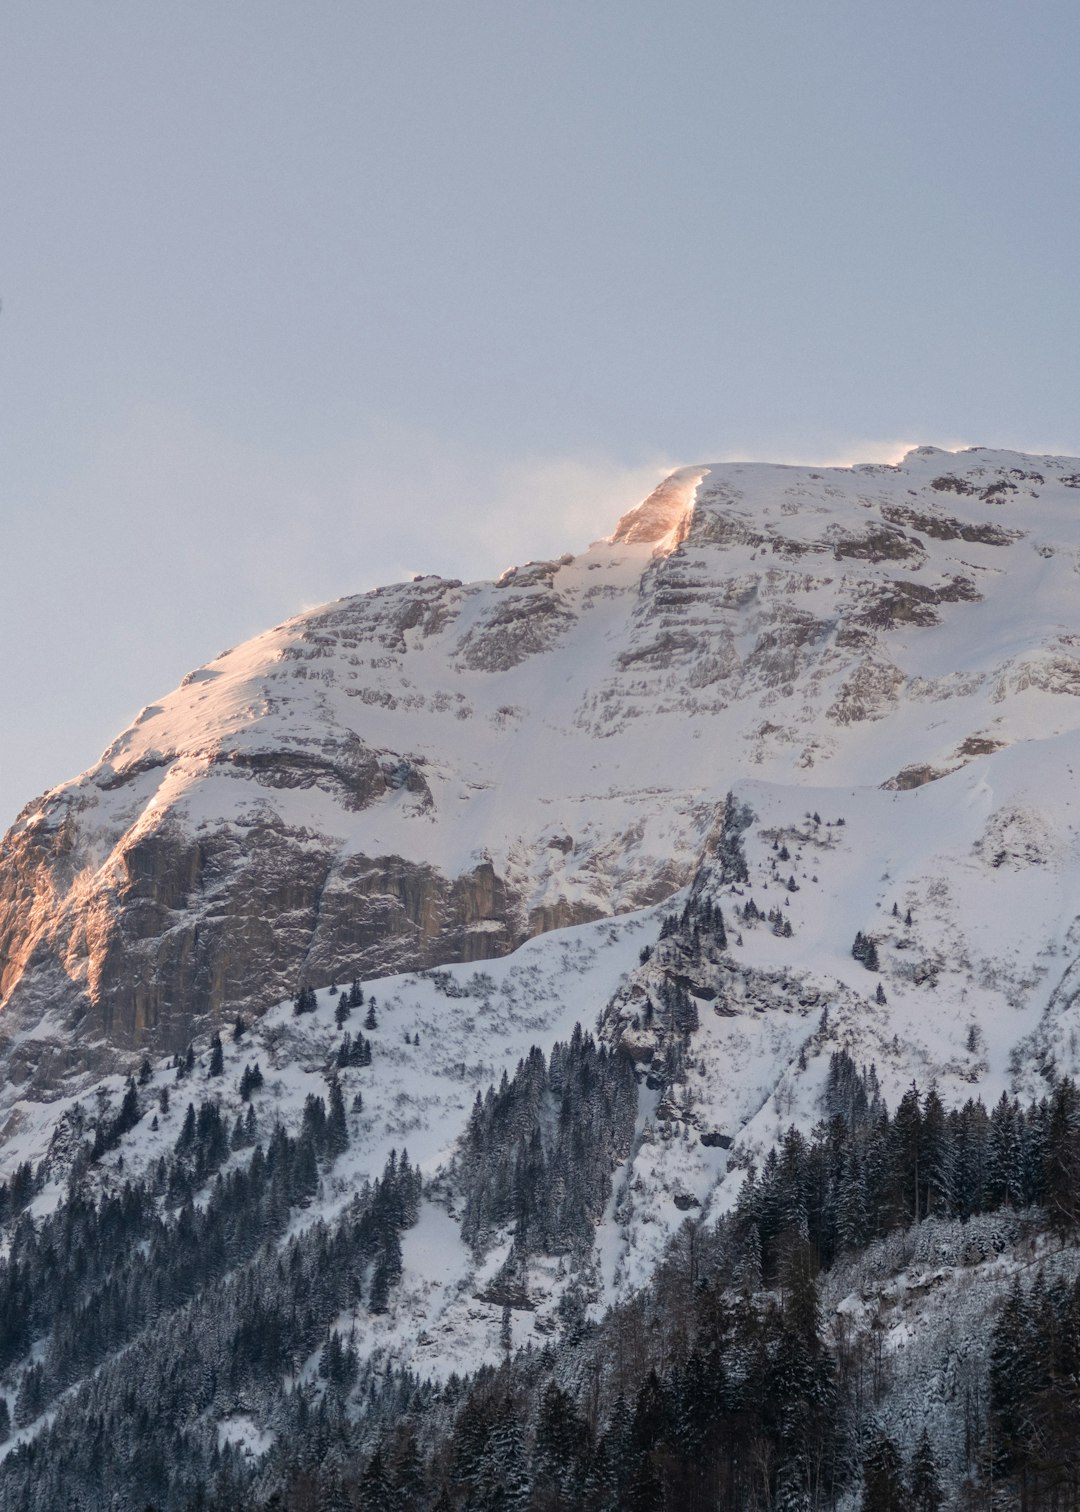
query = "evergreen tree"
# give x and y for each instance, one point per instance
(1062, 1163)
(937, 1157)
(926, 1492)
(407, 1472)
(376, 1491)
(387, 1271)
(852, 1211)
(502, 1483)
(217, 1056)
(561, 1443)
(250, 1081)
(1013, 1381)
(910, 1167)
(791, 1493)
(337, 1127)
(33, 1396)
(883, 1480)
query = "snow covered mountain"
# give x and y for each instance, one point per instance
(780, 773)
(434, 772)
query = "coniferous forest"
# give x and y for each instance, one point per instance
(140, 1320)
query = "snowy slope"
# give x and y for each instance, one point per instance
(982, 990)
(473, 1025)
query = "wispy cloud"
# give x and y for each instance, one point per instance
(175, 541)
(837, 453)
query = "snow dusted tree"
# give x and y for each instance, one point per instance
(503, 1481)
(407, 1471)
(883, 1479)
(910, 1166)
(938, 1162)
(250, 1081)
(337, 1127)
(926, 1492)
(865, 950)
(1013, 1380)
(376, 1491)
(730, 852)
(1062, 1163)
(33, 1395)
(305, 1001)
(852, 1215)
(1006, 1156)
(561, 1447)
(791, 1492)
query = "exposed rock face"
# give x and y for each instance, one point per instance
(434, 771)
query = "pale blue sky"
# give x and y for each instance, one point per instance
(301, 297)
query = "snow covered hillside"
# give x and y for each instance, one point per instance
(437, 1039)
